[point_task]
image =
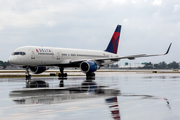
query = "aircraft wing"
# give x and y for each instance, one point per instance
(130, 57)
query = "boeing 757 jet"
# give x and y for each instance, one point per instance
(37, 58)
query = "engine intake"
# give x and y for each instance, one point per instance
(88, 66)
(38, 69)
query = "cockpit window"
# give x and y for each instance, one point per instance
(18, 53)
(22, 53)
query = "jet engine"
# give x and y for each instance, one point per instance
(88, 66)
(38, 69)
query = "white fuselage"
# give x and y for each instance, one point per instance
(52, 56)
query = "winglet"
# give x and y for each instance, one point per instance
(168, 49)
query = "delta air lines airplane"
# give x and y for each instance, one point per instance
(37, 58)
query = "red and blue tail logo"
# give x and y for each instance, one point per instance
(113, 44)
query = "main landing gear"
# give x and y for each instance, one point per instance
(90, 75)
(62, 74)
(61, 83)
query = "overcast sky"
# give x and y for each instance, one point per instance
(148, 26)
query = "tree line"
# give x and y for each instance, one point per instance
(4, 64)
(149, 65)
(161, 65)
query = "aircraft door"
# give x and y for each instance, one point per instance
(58, 55)
(32, 54)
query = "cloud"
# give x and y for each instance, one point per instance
(125, 22)
(89, 24)
(157, 2)
(120, 2)
(176, 8)
(25, 15)
(1, 27)
(135, 1)
(156, 14)
(178, 24)
(51, 23)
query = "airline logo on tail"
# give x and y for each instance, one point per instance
(114, 42)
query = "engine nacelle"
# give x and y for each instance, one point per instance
(38, 69)
(88, 66)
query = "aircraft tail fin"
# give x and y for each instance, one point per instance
(114, 42)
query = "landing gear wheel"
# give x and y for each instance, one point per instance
(28, 77)
(62, 74)
(65, 74)
(90, 75)
(93, 74)
(61, 84)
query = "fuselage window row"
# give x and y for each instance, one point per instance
(91, 55)
(45, 53)
(23, 53)
(82, 55)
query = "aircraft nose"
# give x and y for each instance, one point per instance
(12, 60)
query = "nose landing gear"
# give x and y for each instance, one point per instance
(28, 75)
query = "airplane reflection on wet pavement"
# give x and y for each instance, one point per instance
(42, 94)
(39, 92)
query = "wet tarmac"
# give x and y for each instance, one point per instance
(119, 96)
